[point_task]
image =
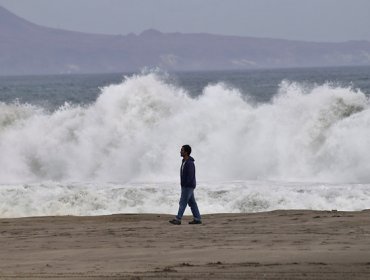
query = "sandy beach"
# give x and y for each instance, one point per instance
(294, 244)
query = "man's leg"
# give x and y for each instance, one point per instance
(186, 193)
(194, 208)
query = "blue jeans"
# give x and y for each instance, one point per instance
(187, 197)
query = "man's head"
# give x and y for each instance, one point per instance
(185, 151)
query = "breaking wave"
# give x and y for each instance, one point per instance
(122, 152)
(134, 130)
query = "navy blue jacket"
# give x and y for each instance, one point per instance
(187, 174)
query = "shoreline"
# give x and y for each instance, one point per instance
(282, 244)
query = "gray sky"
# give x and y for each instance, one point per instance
(309, 20)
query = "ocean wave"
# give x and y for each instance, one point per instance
(85, 199)
(134, 130)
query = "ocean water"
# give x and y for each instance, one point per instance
(262, 140)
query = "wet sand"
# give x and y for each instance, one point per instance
(292, 244)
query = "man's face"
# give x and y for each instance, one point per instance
(182, 152)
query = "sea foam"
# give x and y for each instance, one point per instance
(132, 133)
(135, 129)
(69, 198)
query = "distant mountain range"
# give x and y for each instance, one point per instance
(27, 48)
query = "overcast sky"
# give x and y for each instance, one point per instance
(309, 20)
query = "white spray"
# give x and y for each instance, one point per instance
(134, 130)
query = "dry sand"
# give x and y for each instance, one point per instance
(274, 245)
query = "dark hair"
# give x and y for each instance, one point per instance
(187, 149)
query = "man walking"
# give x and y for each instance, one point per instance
(188, 183)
